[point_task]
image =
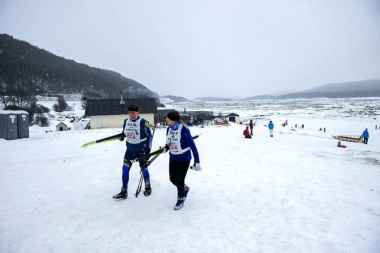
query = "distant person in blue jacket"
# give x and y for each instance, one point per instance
(271, 126)
(365, 136)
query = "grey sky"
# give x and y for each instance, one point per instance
(193, 48)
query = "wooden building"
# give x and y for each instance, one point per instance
(111, 113)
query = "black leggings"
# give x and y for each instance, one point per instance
(177, 174)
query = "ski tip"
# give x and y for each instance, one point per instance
(87, 144)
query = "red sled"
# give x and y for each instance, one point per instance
(343, 146)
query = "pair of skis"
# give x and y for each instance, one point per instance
(121, 135)
(149, 158)
(155, 153)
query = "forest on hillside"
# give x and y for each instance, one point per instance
(27, 70)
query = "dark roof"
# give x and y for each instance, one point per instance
(99, 107)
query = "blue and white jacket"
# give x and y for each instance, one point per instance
(138, 134)
(180, 142)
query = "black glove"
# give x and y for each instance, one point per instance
(144, 158)
(166, 148)
(144, 161)
(121, 138)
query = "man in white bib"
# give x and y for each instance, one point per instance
(139, 142)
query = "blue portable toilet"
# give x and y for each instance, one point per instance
(8, 125)
(23, 124)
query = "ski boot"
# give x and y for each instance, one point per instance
(121, 195)
(147, 191)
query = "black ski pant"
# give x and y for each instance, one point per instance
(177, 175)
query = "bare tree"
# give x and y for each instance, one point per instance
(61, 104)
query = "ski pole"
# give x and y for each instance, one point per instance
(138, 190)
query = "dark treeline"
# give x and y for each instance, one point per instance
(27, 70)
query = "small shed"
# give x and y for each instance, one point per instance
(61, 127)
(233, 117)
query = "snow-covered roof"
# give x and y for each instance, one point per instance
(13, 112)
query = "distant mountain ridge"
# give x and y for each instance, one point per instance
(24, 66)
(369, 85)
(213, 99)
(176, 98)
(366, 88)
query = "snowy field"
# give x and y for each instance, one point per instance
(296, 192)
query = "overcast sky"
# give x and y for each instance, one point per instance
(197, 48)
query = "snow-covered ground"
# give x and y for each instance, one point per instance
(296, 192)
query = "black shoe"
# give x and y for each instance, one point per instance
(179, 204)
(122, 195)
(185, 192)
(147, 191)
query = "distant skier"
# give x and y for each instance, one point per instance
(365, 136)
(246, 133)
(271, 126)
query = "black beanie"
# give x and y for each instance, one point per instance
(173, 115)
(133, 108)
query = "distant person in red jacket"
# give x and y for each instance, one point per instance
(246, 132)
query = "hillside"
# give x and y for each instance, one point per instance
(25, 67)
(367, 85)
(175, 98)
(366, 88)
(214, 99)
